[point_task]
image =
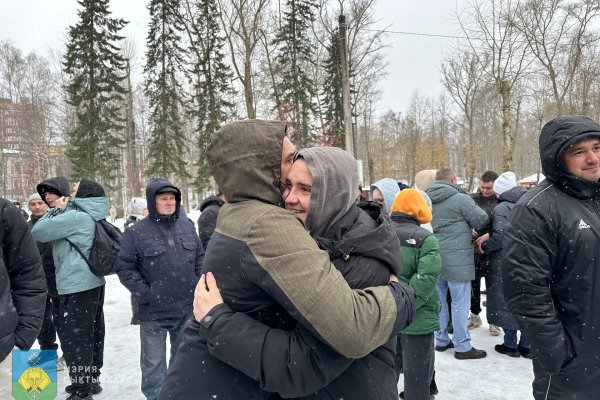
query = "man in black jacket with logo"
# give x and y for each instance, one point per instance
(551, 267)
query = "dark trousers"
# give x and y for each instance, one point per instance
(47, 336)
(415, 357)
(81, 331)
(481, 267)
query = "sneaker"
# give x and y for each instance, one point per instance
(94, 389)
(474, 321)
(509, 351)
(472, 354)
(76, 397)
(525, 352)
(61, 364)
(494, 330)
(450, 345)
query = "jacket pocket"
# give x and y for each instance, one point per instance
(154, 262)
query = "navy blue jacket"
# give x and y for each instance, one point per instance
(160, 260)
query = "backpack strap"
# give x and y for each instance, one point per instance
(73, 245)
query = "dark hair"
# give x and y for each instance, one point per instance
(444, 174)
(16, 203)
(489, 176)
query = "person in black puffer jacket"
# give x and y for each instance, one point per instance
(22, 282)
(551, 265)
(209, 211)
(320, 191)
(497, 312)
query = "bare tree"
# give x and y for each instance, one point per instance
(462, 77)
(243, 21)
(489, 30)
(558, 34)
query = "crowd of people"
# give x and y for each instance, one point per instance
(294, 286)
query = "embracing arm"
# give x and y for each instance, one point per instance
(499, 224)
(292, 363)
(301, 279)
(529, 251)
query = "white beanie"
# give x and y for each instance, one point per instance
(34, 196)
(506, 180)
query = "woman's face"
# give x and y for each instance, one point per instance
(298, 186)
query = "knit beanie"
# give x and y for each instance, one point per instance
(424, 178)
(410, 201)
(34, 196)
(505, 181)
(89, 188)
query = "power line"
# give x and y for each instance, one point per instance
(417, 34)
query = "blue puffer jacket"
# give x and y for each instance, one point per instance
(76, 223)
(454, 215)
(160, 260)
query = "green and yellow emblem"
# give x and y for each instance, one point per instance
(34, 374)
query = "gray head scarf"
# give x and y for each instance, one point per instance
(334, 189)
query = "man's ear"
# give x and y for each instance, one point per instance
(453, 179)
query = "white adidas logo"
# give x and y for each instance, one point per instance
(583, 225)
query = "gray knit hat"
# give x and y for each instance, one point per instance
(34, 196)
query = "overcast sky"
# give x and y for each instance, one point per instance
(414, 61)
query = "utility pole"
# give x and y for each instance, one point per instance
(348, 137)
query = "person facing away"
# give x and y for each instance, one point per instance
(47, 336)
(270, 268)
(422, 265)
(455, 215)
(22, 282)
(72, 222)
(209, 211)
(551, 265)
(23, 212)
(135, 210)
(486, 199)
(159, 262)
(320, 191)
(508, 193)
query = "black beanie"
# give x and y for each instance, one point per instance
(89, 188)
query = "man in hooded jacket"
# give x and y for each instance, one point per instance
(160, 261)
(551, 265)
(269, 268)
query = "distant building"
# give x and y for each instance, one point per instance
(26, 157)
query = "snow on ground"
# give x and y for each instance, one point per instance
(496, 377)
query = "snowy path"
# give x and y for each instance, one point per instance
(496, 377)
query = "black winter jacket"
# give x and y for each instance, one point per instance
(22, 282)
(497, 311)
(551, 269)
(209, 211)
(160, 260)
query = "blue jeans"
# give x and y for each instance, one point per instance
(153, 359)
(461, 302)
(510, 339)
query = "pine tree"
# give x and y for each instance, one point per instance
(164, 58)
(96, 70)
(297, 90)
(331, 94)
(212, 77)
